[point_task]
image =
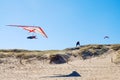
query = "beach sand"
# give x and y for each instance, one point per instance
(97, 68)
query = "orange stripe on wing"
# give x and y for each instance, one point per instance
(43, 33)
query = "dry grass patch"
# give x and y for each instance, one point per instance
(115, 47)
(116, 57)
(92, 50)
(26, 54)
(59, 58)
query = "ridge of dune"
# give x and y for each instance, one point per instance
(93, 66)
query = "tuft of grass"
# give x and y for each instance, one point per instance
(92, 50)
(26, 54)
(59, 58)
(14, 50)
(116, 59)
(52, 51)
(115, 47)
(5, 54)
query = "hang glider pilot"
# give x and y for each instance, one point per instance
(31, 37)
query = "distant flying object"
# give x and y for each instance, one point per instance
(106, 37)
(32, 29)
(77, 43)
(31, 37)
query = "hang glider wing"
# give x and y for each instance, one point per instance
(40, 30)
(35, 29)
(106, 37)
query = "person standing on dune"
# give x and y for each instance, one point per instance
(77, 43)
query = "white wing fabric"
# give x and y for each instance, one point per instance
(32, 29)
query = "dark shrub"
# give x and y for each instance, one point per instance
(58, 59)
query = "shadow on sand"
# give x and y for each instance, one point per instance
(73, 74)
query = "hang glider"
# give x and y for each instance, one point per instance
(32, 29)
(106, 37)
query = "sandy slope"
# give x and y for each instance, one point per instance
(98, 68)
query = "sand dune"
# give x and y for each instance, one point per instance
(96, 68)
(90, 69)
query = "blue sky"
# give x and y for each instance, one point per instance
(64, 21)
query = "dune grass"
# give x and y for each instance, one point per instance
(116, 57)
(115, 47)
(92, 50)
(85, 52)
(25, 54)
